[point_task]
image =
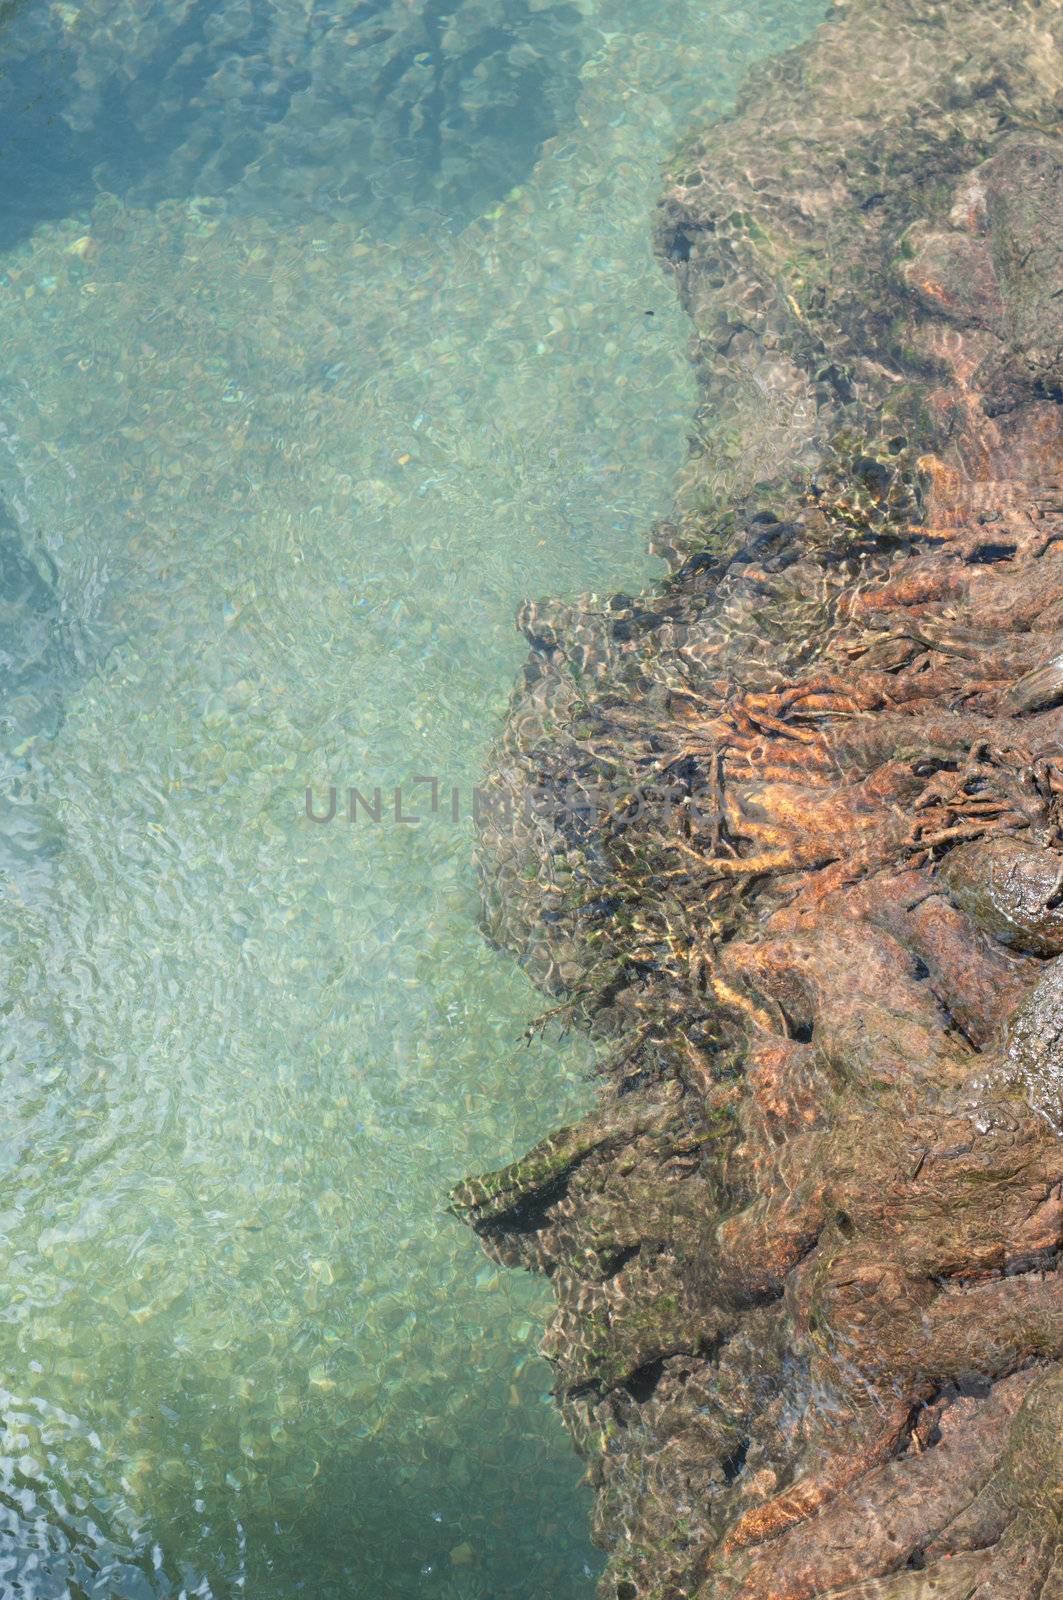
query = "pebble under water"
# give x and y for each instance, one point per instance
(329, 335)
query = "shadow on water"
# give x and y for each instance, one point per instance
(57, 1540)
(376, 111)
(29, 618)
(34, 670)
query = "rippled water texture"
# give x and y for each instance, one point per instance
(300, 395)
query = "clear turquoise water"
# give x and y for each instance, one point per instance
(287, 429)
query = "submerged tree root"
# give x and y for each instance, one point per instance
(789, 829)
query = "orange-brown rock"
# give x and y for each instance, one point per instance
(788, 828)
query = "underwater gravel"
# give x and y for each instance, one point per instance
(283, 480)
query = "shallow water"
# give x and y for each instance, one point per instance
(285, 435)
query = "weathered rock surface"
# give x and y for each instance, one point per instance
(809, 1328)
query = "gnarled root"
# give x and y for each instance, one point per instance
(809, 1326)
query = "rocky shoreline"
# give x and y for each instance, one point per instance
(809, 1326)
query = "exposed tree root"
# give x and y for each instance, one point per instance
(797, 845)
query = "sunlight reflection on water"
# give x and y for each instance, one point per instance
(275, 483)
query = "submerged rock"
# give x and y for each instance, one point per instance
(809, 1327)
(290, 108)
(1012, 889)
(30, 642)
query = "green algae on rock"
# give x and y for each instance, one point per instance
(1011, 887)
(810, 1318)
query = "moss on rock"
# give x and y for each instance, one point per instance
(809, 1325)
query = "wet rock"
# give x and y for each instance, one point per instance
(1012, 889)
(809, 1327)
(1033, 1050)
(1024, 199)
(953, 275)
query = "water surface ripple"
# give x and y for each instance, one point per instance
(274, 476)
